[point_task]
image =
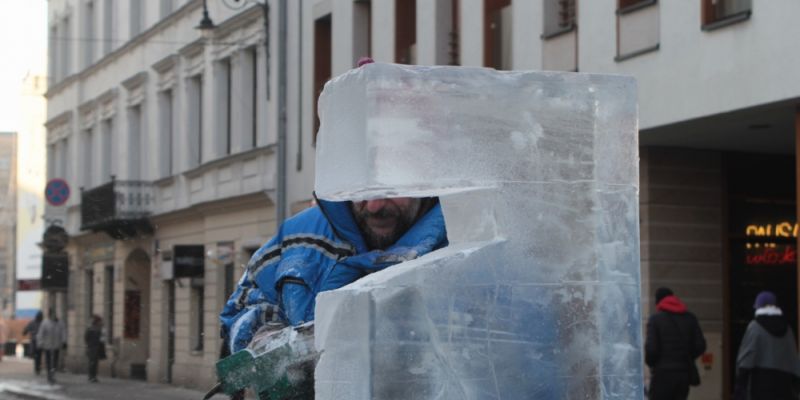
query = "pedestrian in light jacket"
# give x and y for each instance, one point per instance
(50, 338)
(674, 340)
(767, 367)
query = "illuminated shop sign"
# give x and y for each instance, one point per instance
(767, 252)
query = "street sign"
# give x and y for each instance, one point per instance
(28, 284)
(56, 192)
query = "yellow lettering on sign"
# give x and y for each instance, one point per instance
(781, 229)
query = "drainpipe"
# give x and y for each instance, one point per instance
(281, 184)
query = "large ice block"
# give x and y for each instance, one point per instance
(537, 295)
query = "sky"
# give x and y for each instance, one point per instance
(23, 48)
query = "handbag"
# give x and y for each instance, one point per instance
(694, 374)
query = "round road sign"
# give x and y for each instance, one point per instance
(56, 192)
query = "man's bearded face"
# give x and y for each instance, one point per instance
(384, 221)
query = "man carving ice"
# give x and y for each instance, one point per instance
(324, 248)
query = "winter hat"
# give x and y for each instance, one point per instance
(661, 293)
(765, 298)
(365, 60)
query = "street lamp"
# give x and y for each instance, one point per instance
(206, 28)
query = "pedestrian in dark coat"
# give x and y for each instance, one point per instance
(767, 367)
(32, 329)
(674, 340)
(95, 348)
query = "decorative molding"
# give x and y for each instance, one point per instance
(58, 120)
(136, 88)
(87, 113)
(107, 103)
(166, 69)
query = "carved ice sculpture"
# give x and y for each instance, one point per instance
(537, 296)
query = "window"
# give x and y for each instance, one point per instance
(322, 63)
(52, 57)
(88, 27)
(247, 101)
(405, 36)
(107, 158)
(134, 142)
(51, 161)
(136, 13)
(560, 16)
(166, 123)
(197, 312)
(86, 159)
(224, 101)
(108, 26)
(454, 38)
(62, 159)
(497, 34)
(166, 8)
(638, 28)
(64, 52)
(718, 13)
(362, 28)
(194, 96)
(108, 303)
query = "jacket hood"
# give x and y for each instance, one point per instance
(671, 304)
(771, 319)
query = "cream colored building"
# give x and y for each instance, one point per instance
(168, 144)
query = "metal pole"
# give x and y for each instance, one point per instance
(282, 21)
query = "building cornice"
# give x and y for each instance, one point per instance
(58, 120)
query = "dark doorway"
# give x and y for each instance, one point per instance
(762, 247)
(170, 328)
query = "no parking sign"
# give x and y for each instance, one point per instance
(56, 192)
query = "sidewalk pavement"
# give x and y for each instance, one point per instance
(17, 380)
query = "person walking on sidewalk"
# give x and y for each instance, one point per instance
(674, 340)
(95, 348)
(3, 336)
(50, 338)
(767, 367)
(32, 329)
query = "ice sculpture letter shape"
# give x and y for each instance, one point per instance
(537, 295)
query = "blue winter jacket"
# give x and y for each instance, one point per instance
(319, 249)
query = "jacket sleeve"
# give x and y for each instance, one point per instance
(249, 307)
(698, 341)
(652, 347)
(745, 358)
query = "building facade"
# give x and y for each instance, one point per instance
(191, 126)
(8, 221)
(167, 143)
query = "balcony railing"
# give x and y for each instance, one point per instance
(119, 208)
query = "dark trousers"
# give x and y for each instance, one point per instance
(93, 361)
(51, 362)
(37, 360)
(669, 385)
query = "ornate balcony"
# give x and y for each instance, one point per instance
(119, 208)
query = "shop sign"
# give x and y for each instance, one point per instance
(28, 284)
(55, 269)
(188, 261)
(769, 255)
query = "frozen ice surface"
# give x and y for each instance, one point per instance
(537, 295)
